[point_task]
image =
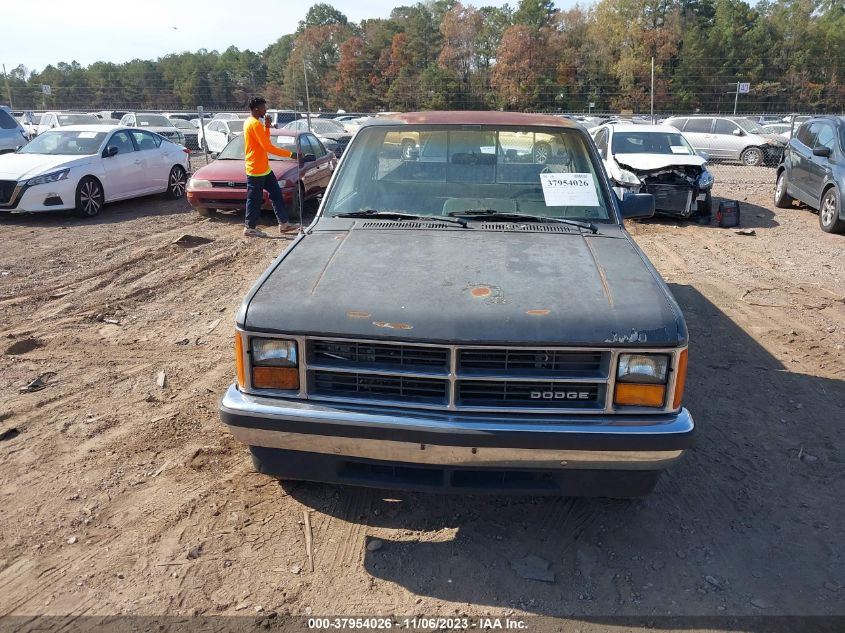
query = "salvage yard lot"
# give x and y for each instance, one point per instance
(120, 491)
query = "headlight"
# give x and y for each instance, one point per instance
(199, 183)
(274, 364)
(641, 380)
(705, 180)
(55, 176)
(643, 368)
(625, 177)
(274, 352)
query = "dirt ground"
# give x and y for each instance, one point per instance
(122, 496)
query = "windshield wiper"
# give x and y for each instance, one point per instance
(492, 214)
(400, 216)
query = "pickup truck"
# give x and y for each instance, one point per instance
(463, 317)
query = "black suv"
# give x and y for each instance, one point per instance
(813, 171)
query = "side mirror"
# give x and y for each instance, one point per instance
(704, 155)
(637, 205)
(110, 151)
(737, 132)
(822, 151)
(308, 158)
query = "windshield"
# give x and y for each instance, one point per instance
(749, 126)
(327, 127)
(77, 119)
(235, 149)
(650, 143)
(438, 170)
(65, 143)
(182, 125)
(153, 120)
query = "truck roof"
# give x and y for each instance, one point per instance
(469, 117)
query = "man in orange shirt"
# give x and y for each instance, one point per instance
(259, 176)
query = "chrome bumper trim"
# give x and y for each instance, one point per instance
(483, 457)
(453, 425)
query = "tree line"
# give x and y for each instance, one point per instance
(443, 54)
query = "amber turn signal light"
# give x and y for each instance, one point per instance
(239, 360)
(633, 395)
(286, 378)
(680, 380)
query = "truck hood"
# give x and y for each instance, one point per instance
(22, 166)
(466, 286)
(655, 162)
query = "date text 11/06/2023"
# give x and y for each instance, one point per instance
(418, 623)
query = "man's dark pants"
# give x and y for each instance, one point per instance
(255, 186)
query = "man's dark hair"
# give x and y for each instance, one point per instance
(256, 101)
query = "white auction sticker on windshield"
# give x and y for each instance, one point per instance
(679, 149)
(87, 135)
(569, 190)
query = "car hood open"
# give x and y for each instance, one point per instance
(656, 162)
(466, 286)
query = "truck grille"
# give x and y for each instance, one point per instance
(377, 356)
(456, 378)
(7, 190)
(545, 395)
(530, 362)
(375, 386)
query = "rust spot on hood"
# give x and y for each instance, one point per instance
(393, 326)
(542, 312)
(491, 294)
(352, 314)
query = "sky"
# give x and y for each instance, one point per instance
(52, 31)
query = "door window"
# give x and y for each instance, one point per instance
(305, 145)
(122, 142)
(601, 142)
(698, 125)
(316, 146)
(825, 136)
(145, 140)
(724, 126)
(806, 135)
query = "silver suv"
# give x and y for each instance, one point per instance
(12, 135)
(731, 138)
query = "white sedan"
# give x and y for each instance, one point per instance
(82, 167)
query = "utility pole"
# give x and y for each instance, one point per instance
(652, 90)
(736, 98)
(8, 88)
(307, 98)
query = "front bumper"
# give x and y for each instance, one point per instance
(55, 196)
(626, 443)
(233, 199)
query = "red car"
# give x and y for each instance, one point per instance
(222, 183)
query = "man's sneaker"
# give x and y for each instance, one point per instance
(248, 232)
(284, 229)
